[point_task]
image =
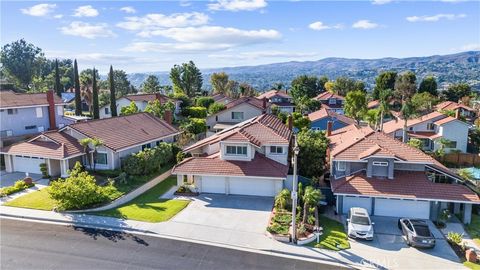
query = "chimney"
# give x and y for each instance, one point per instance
(51, 110)
(290, 122)
(329, 128)
(158, 97)
(264, 105)
(457, 113)
(168, 116)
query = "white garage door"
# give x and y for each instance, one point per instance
(27, 164)
(252, 186)
(402, 208)
(349, 202)
(213, 184)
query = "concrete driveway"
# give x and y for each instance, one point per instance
(388, 249)
(8, 179)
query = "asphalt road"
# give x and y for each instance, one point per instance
(28, 245)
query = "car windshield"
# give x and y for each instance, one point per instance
(360, 220)
(422, 230)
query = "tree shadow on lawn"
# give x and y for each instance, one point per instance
(113, 236)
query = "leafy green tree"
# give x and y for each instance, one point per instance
(384, 97)
(246, 90)
(385, 80)
(216, 107)
(187, 79)
(304, 86)
(85, 143)
(407, 112)
(416, 143)
(196, 112)
(321, 84)
(355, 104)
(300, 122)
(313, 146)
(204, 101)
(78, 98)
(372, 117)
(58, 86)
(151, 85)
(113, 97)
(21, 61)
(456, 91)
(474, 138)
(424, 102)
(96, 143)
(194, 125)
(428, 85)
(343, 85)
(130, 109)
(278, 86)
(219, 82)
(405, 85)
(158, 109)
(86, 77)
(311, 197)
(283, 199)
(96, 107)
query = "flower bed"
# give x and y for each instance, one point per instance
(466, 255)
(186, 190)
(279, 225)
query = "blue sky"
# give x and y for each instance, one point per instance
(153, 36)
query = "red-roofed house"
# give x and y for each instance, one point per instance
(430, 128)
(331, 101)
(464, 110)
(372, 170)
(60, 150)
(279, 98)
(250, 158)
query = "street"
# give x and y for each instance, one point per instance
(29, 245)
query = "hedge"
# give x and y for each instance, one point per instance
(196, 112)
(149, 160)
(18, 186)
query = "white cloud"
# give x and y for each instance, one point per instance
(40, 10)
(237, 5)
(453, 1)
(174, 47)
(381, 2)
(155, 21)
(365, 24)
(321, 26)
(85, 11)
(128, 10)
(262, 54)
(184, 3)
(471, 47)
(58, 16)
(87, 30)
(435, 18)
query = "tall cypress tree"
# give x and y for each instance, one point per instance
(58, 86)
(96, 112)
(113, 100)
(78, 98)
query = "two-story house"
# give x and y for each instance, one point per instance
(221, 98)
(60, 150)
(460, 109)
(389, 178)
(235, 112)
(331, 101)
(320, 118)
(24, 115)
(141, 100)
(279, 98)
(250, 158)
(430, 128)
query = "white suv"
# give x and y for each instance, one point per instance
(359, 224)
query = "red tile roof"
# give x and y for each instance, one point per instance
(10, 99)
(373, 104)
(125, 131)
(424, 135)
(445, 120)
(220, 97)
(249, 100)
(323, 113)
(273, 93)
(394, 125)
(328, 95)
(260, 166)
(408, 185)
(450, 105)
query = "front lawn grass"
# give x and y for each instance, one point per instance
(473, 229)
(39, 199)
(474, 266)
(333, 237)
(148, 206)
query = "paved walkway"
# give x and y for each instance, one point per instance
(458, 228)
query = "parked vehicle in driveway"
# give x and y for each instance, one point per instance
(359, 224)
(417, 232)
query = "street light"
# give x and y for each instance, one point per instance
(296, 150)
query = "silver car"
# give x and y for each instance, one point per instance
(417, 232)
(359, 224)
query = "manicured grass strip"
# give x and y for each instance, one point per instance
(148, 207)
(333, 237)
(39, 199)
(474, 266)
(473, 228)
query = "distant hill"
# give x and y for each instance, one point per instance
(452, 68)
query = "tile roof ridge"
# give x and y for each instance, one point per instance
(348, 178)
(407, 145)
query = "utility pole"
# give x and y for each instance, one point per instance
(296, 150)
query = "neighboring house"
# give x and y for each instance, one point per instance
(235, 112)
(250, 158)
(430, 128)
(141, 100)
(389, 178)
(221, 98)
(60, 150)
(279, 98)
(331, 101)
(320, 118)
(374, 104)
(68, 97)
(463, 110)
(23, 115)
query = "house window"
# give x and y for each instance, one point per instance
(158, 142)
(451, 144)
(41, 129)
(145, 146)
(431, 126)
(332, 101)
(237, 115)
(341, 166)
(30, 127)
(107, 111)
(59, 110)
(276, 149)
(101, 158)
(410, 128)
(12, 111)
(6, 133)
(380, 163)
(237, 150)
(39, 112)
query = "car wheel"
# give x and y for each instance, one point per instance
(399, 225)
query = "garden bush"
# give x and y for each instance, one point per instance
(149, 160)
(196, 112)
(216, 107)
(204, 101)
(194, 125)
(18, 186)
(44, 170)
(455, 238)
(277, 228)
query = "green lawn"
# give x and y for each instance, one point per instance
(148, 207)
(35, 200)
(473, 228)
(474, 266)
(333, 237)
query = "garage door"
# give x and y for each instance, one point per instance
(252, 186)
(27, 164)
(349, 202)
(402, 208)
(213, 184)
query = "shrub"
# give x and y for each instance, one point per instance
(18, 186)
(204, 101)
(196, 112)
(455, 238)
(149, 160)
(277, 228)
(283, 218)
(184, 189)
(416, 143)
(194, 125)
(282, 200)
(80, 190)
(181, 156)
(44, 170)
(216, 107)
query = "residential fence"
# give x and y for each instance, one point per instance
(461, 159)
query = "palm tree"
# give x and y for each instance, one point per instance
(282, 199)
(96, 143)
(384, 99)
(85, 143)
(310, 198)
(408, 112)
